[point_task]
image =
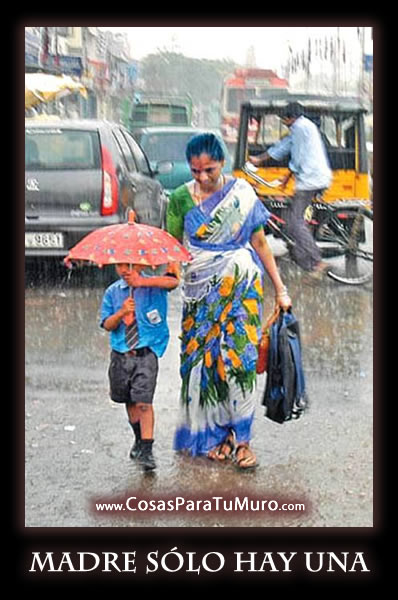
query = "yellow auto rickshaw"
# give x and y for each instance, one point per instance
(342, 218)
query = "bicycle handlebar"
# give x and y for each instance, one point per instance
(251, 170)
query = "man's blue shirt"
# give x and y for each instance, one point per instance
(151, 315)
(308, 159)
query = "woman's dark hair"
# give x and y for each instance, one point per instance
(205, 143)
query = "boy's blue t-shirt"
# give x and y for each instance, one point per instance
(151, 315)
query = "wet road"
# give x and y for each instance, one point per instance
(77, 441)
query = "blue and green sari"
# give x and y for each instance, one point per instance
(222, 313)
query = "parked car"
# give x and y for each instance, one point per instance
(168, 143)
(81, 175)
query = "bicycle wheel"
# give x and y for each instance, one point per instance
(345, 239)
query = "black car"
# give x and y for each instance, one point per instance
(81, 175)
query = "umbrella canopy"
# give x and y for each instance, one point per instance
(42, 87)
(133, 243)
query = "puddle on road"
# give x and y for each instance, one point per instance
(67, 357)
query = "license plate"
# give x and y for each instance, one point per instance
(44, 240)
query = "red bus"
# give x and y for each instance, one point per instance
(242, 85)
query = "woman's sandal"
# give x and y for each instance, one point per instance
(245, 458)
(223, 451)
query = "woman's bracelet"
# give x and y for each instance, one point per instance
(282, 292)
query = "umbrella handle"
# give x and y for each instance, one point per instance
(131, 289)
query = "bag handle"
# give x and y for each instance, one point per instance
(272, 317)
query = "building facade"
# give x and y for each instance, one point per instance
(98, 59)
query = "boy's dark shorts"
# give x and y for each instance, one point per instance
(132, 377)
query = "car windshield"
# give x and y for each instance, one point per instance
(166, 146)
(47, 149)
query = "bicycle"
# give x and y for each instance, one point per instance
(342, 231)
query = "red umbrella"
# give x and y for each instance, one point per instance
(133, 243)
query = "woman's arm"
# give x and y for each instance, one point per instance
(261, 246)
(174, 220)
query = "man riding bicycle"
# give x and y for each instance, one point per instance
(310, 167)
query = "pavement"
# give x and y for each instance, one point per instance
(77, 441)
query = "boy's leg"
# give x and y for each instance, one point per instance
(142, 420)
(119, 374)
(145, 416)
(134, 421)
(140, 409)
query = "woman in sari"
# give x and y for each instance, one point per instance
(220, 221)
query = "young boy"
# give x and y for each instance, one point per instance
(134, 310)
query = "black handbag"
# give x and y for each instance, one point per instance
(285, 396)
